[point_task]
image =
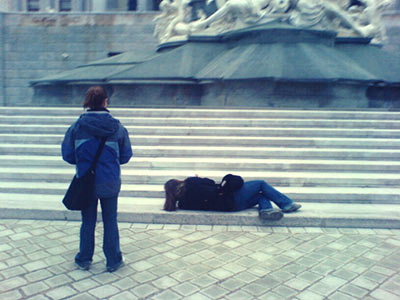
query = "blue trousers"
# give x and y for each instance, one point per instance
(111, 247)
(258, 192)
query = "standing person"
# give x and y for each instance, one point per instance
(79, 147)
(232, 194)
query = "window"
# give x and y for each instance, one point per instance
(65, 5)
(112, 5)
(33, 5)
(132, 4)
(85, 5)
(156, 4)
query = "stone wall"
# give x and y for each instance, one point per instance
(33, 45)
(2, 59)
(392, 23)
(36, 45)
(253, 93)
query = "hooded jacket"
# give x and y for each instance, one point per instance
(82, 140)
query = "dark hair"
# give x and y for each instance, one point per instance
(173, 190)
(95, 97)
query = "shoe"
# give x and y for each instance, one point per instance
(83, 265)
(115, 267)
(293, 207)
(270, 214)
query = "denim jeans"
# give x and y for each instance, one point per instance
(261, 193)
(111, 247)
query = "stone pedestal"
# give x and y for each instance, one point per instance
(270, 66)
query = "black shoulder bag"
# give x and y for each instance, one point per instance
(81, 190)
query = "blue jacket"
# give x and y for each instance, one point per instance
(82, 140)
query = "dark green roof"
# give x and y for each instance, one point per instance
(269, 52)
(381, 63)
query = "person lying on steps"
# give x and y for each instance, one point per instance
(232, 194)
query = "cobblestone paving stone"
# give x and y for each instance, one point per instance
(201, 262)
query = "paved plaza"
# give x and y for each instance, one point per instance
(201, 262)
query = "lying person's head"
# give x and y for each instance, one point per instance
(174, 189)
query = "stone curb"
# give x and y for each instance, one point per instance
(246, 218)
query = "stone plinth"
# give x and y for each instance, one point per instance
(262, 66)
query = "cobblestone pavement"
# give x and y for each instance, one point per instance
(201, 262)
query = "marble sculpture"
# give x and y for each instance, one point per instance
(360, 18)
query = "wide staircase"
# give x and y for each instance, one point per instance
(342, 166)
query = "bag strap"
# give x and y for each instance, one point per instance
(98, 153)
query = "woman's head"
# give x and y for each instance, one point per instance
(95, 98)
(173, 191)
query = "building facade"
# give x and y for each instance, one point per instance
(78, 5)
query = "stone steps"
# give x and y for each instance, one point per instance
(293, 179)
(209, 113)
(219, 131)
(219, 151)
(145, 210)
(155, 192)
(215, 122)
(342, 165)
(228, 164)
(293, 142)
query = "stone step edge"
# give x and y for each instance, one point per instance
(239, 149)
(213, 174)
(134, 136)
(240, 132)
(199, 128)
(306, 143)
(128, 187)
(311, 215)
(66, 110)
(214, 122)
(67, 118)
(202, 137)
(157, 197)
(220, 160)
(196, 108)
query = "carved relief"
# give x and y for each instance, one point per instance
(346, 17)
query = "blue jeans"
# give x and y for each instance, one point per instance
(261, 193)
(111, 247)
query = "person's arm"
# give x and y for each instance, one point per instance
(68, 146)
(125, 148)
